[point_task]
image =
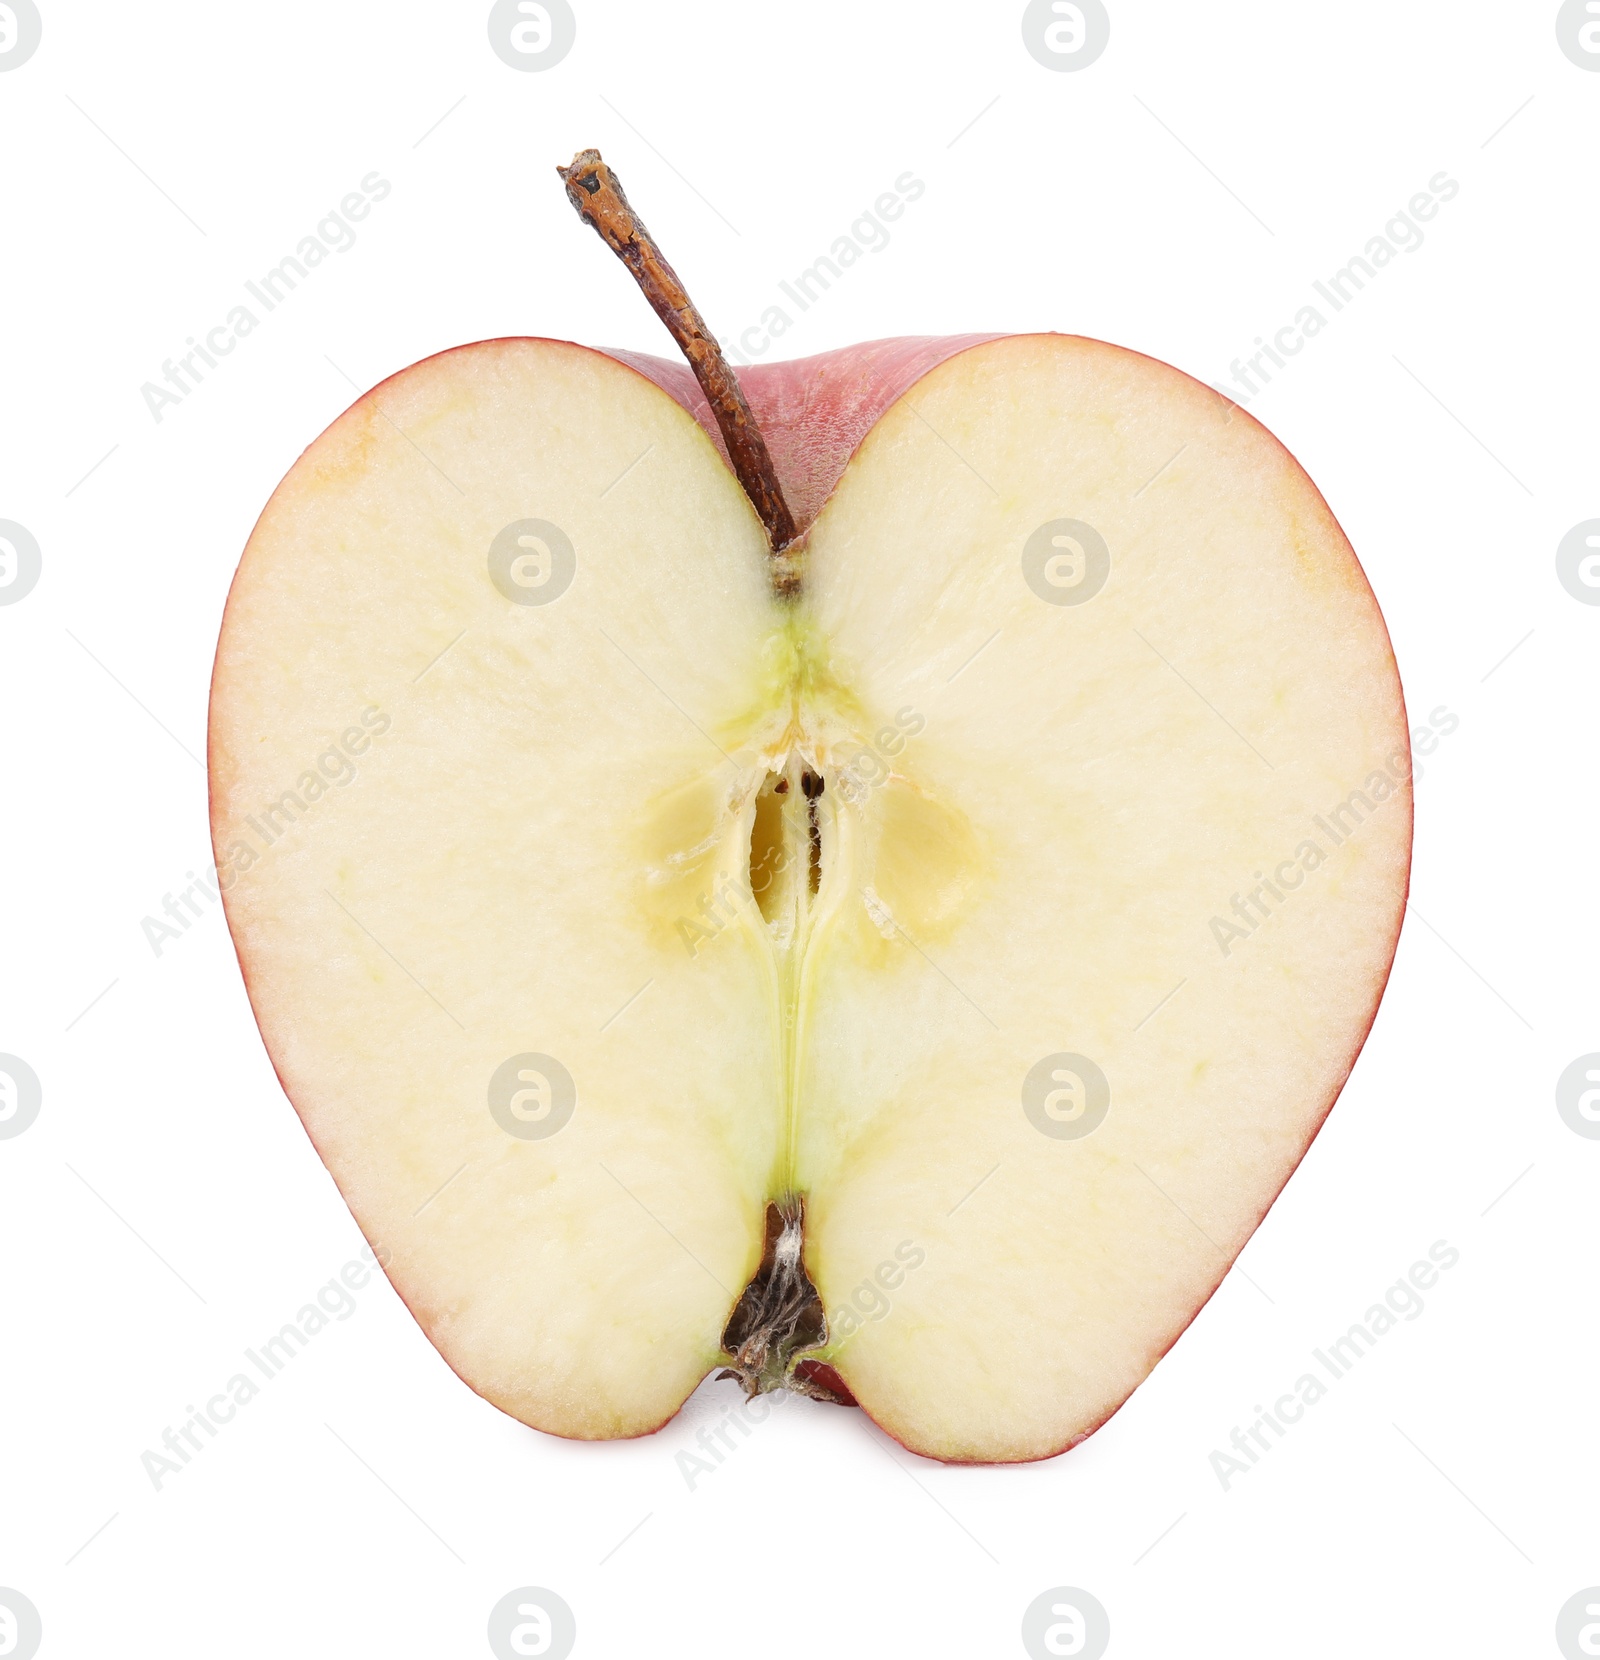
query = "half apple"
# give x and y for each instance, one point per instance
(911, 981)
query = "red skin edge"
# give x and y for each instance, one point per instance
(814, 413)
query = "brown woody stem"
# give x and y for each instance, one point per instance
(594, 191)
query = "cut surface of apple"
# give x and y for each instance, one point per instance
(1017, 896)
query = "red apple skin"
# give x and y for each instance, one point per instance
(825, 1377)
(814, 413)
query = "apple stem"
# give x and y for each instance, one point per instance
(594, 190)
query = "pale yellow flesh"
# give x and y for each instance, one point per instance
(1126, 766)
(562, 813)
(580, 1282)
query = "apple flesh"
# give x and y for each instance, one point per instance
(1013, 936)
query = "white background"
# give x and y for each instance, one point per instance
(1179, 196)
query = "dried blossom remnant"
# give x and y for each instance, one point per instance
(780, 1317)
